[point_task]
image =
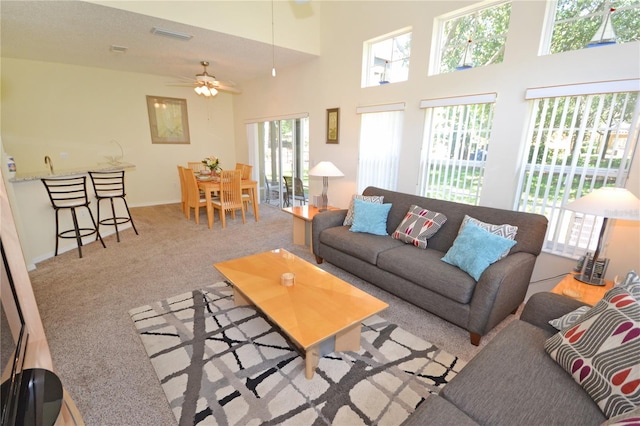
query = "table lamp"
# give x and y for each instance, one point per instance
(325, 169)
(609, 203)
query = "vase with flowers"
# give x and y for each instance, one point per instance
(213, 164)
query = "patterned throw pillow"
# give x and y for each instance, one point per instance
(569, 319)
(418, 226)
(348, 220)
(631, 283)
(506, 231)
(602, 352)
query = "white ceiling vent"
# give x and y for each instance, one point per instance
(169, 33)
(118, 49)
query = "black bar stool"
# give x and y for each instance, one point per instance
(107, 186)
(71, 193)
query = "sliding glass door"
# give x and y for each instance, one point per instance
(283, 155)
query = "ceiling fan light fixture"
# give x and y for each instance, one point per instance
(206, 91)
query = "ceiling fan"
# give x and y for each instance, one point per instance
(207, 85)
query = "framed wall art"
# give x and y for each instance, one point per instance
(168, 120)
(333, 125)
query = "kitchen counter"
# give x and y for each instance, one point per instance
(106, 167)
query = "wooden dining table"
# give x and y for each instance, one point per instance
(211, 186)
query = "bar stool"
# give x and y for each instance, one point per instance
(107, 186)
(71, 193)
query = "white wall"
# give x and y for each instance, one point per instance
(50, 109)
(333, 80)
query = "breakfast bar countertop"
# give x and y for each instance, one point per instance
(104, 167)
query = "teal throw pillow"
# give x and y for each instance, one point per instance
(475, 249)
(370, 218)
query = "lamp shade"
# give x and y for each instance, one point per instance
(612, 203)
(325, 169)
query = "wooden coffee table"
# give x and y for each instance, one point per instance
(320, 312)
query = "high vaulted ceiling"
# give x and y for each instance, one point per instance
(82, 33)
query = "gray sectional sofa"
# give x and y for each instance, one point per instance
(513, 380)
(420, 276)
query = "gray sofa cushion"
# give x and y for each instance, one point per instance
(438, 411)
(513, 381)
(363, 246)
(424, 267)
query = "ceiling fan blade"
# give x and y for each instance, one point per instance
(228, 89)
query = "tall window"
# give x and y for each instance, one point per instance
(386, 59)
(380, 136)
(280, 148)
(455, 147)
(578, 24)
(581, 138)
(472, 38)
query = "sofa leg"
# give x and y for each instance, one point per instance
(475, 339)
(319, 260)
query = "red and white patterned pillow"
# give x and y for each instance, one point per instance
(418, 226)
(602, 352)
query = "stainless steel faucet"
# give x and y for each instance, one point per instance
(47, 160)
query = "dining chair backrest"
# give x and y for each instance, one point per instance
(183, 188)
(196, 166)
(246, 170)
(194, 199)
(230, 189)
(67, 192)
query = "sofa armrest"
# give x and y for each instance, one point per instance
(543, 307)
(501, 289)
(324, 220)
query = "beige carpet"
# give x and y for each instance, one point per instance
(84, 304)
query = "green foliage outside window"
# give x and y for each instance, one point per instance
(487, 30)
(577, 21)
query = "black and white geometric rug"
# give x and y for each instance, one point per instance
(219, 364)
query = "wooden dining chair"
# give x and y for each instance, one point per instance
(195, 199)
(246, 170)
(230, 195)
(196, 166)
(183, 192)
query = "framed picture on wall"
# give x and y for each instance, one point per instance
(333, 125)
(168, 120)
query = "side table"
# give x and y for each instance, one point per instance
(302, 217)
(586, 293)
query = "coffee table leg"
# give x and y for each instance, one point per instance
(349, 339)
(346, 340)
(239, 299)
(311, 359)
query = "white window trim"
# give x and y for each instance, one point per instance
(484, 98)
(293, 116)
(594, 88)
(400, 106)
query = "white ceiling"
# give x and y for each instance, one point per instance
(80, 33)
